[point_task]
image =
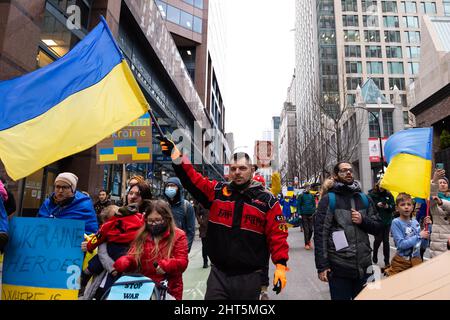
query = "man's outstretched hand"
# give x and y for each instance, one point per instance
(167, 146)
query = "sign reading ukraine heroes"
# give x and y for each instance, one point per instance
(43, 259)
(67, 106)
(409, 154)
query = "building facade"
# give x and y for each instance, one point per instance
(353, 41)
(431, 90)
(36, 33)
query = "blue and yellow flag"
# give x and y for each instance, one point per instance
(409, 154)
(67, 106)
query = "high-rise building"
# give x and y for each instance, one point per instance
(340, 44)
(276, 143)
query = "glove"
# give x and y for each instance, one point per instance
(279, 277)
(167, 146)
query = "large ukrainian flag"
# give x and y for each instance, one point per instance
(409, 154)
(67, 106)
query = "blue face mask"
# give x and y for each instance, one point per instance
(170, 192)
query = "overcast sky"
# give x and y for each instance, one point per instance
(260, 62)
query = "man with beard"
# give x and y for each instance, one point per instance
(344, 218)
(101, 204)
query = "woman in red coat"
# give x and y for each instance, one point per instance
(162, 242)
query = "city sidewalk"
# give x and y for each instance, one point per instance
(194, 278)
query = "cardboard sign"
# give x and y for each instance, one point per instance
(132, 144)
(43, 259)
(132, 288)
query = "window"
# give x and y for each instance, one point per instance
(191, 2)
(351, 98)
(375, 67)
(55, 35)
(371, 35)
(390, 21)
(197, 24)
(186, 20)
(369, 6)
(388, 123)
(327, 37)
(411, 22)
(428, 7)
(198, 4)
(370, 21)
(329, 69)
(173, 14)
(353, 51)
(395, 68)
(43, 59)
(353, 67)
(162, 6)
(389, 6)
(349, 5)
(352, 83)
(392, 36)
(413, 52)
(412, 36)
(379, 82)
(413, 67)
(326, 22)
(328, 52)
(393, 52)
(351, 35)
(83, 5)
(399, 82)
(409, 7)
(373, 124)
(329, 85)
(446, 4)
(405, 117)
(373, 51)
(350, 21)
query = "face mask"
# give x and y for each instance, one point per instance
(156, 229)
(170, 192)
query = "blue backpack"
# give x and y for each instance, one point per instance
(332, 200)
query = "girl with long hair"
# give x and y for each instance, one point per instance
(162, 242)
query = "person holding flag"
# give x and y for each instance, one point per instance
(245, 226)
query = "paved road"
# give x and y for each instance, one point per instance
(302, 281)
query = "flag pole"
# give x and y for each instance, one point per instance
(150, 112)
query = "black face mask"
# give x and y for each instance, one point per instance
(156, 229)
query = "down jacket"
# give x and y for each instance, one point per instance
(174, 266)
(441, 225)
(352, 261)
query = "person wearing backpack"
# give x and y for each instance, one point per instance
(183, 211)
(306, 207)
(345, 217)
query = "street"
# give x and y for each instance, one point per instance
(302, 280)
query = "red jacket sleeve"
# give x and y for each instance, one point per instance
(178, 263)
(277, 232)
(201, 188)
(125, 264)
(100, 236)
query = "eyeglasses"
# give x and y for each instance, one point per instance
(64, 188)
(156, 221)
(346, 170)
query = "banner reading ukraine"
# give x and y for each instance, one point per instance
(409, 156)
(67, 106)
(43, 259)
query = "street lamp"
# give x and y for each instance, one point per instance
(379, 131)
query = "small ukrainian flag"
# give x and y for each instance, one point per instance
(409, 154)
(67, 106)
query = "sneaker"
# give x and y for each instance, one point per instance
(264, 296)
(3, 241)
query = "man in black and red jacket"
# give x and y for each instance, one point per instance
(245, 226)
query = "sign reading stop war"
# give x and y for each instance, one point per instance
(42, 259)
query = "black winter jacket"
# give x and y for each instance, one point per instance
(352, 261)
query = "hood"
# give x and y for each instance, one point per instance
(180, 194)
(339, 187)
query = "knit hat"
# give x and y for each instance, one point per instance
(445, 178)
(69, 178)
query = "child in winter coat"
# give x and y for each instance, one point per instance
(162, 242)
(118, 231)
(407, 236)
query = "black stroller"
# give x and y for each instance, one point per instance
(136, 287)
